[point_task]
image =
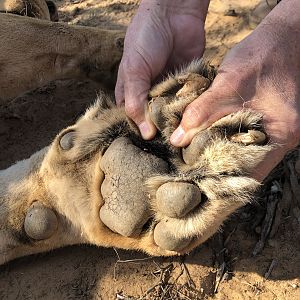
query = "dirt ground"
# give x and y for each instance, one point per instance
(29, 122)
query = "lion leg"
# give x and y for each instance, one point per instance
(39, 9)
(34, 52)
(107, 186)
(91, 171)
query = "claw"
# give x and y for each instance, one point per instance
(191, 153)
(251, 137)
(193, 83)
(155, 110)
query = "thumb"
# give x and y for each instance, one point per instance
(136, 105)
(211, 106)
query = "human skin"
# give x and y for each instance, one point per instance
(156, 42)
(260, 73)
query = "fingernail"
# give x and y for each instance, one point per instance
(145, 130)
(177, 136)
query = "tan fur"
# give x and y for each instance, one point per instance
(174, 80)
(68, 181)
(32, 8)
(46, 51)
(69, 184)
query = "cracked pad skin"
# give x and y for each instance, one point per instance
(81, 178)
(123, 188)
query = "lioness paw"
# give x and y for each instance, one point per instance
(100, 183)
(205, 182)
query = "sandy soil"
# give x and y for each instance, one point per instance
(30, 122)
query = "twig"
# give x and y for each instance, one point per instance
(229, 236)
(219, 276)
(181, 272)
(271, 267)
(255, 287)
(183, 295)
(273, 199)
(219, 249)
(294, 182)
(137, 260)
(190, 282)
(285, 202)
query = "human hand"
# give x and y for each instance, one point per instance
(260, 73)
(163, 34)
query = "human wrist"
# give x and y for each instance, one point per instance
(279, 35)
(197, 8)
(285, 10)
(283, 25)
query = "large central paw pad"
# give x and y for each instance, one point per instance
(127, 204)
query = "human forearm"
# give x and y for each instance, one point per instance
(286, 11)
(282, 24)
(260, 73)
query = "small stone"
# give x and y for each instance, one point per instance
(258, 229)
(272, 243)
(231, 13)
